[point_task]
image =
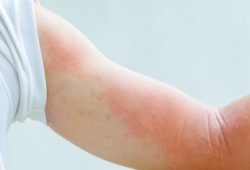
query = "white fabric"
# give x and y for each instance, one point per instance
(20, 47)
(22, 78)
(5, 105)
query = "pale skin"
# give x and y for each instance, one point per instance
(130, 119)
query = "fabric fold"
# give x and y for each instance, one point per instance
(21, 49)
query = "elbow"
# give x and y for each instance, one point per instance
(207, 146)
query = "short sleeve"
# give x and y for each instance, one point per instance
(9, 90)
(18, 34)
(4, 106)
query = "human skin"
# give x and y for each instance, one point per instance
(130, 119)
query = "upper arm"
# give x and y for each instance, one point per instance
(115, 113)
(120, 115)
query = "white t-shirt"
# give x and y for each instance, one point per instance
(22, 78)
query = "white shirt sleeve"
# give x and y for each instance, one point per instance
(20, 47)
(7, 109)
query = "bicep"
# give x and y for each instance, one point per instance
(117, 114)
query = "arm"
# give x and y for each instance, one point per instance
(122, 116)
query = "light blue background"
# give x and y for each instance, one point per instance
(199, 46)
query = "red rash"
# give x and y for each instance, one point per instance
(142, 117)
(161, 116)
(67, 57)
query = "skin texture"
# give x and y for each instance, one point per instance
(130, 119)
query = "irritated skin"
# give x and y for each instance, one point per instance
(130, 119)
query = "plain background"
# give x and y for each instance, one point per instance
(201, 47)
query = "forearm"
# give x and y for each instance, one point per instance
(236, 118)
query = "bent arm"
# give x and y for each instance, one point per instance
(120, 115)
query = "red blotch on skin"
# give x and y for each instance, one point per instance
(64, 56)
(159, 115)
(144, 114)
